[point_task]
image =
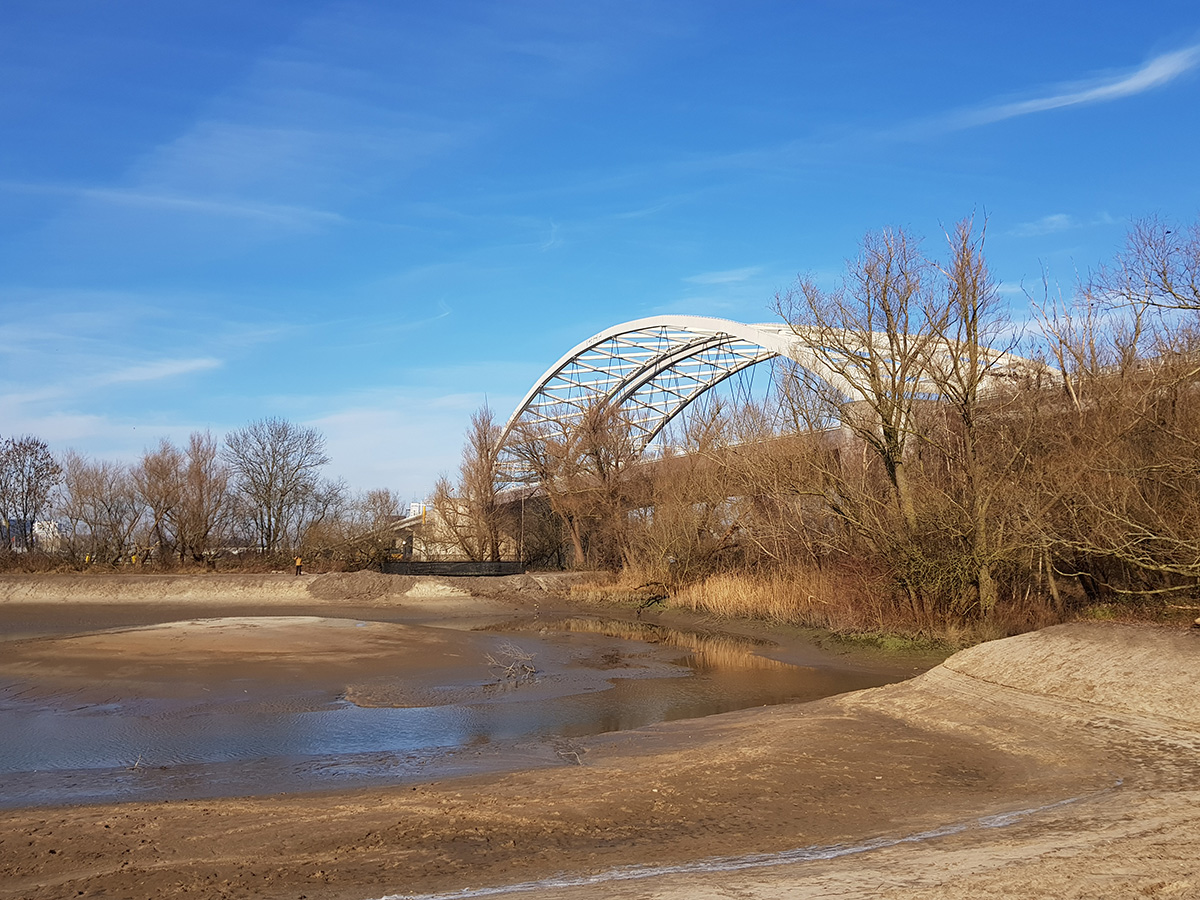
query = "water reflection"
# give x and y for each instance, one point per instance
(717, 643)
(52, 753)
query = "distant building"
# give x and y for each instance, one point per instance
(49, 536)
(19, 535)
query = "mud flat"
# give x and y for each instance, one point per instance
(1062, 763)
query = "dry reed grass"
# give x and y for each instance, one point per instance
(805, 598)
(844, 602)
(811, 599)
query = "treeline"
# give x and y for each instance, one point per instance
(257, 494)
(916, 473)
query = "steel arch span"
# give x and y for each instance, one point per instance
(652, 368)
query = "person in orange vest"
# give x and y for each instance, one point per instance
(299, 568)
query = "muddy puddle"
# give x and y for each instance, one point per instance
(234, 706)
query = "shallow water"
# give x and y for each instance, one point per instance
(245, 741)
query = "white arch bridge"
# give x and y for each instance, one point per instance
(652, 369)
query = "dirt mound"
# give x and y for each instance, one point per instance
(362, 586)
(434, 588)
(501, 587)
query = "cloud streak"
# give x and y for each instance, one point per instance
(1046, 225)
(727, 276)
(155, 371)
(1159, 71)
(1058, 222)
(274, 213)
(268, 212)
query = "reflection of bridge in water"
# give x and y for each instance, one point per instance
(651, 369)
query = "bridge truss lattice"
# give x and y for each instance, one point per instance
(651, 370)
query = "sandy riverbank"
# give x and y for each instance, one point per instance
(1062, 763)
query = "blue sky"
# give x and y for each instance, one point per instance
(368, 217)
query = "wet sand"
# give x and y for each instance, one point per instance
(1062, 763)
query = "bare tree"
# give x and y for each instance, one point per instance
(545, 448)
(28, 475)
(102, 505)
(378, 507)
(687, 522)
(903, 359)
(469, 511)
(1159, 267)
(457, 530)
(159, 481)
(584, 464)
(275, 466)
(318, 521)
(793, 502)
(875, 335)
(478, 479)
(201, 518)
(971, 340)
(363, 534)
(1119, 492)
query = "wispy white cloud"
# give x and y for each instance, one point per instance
(321, 148)
(346, 333)
(60, 430)
(1059, 222)
(409, 447)
(1159, 71)
(413, 442)
(44, 406)
(643, 212)
(273, 213)
(159, 369)
(552, 239)
(1046, 225)
(725, 276)
(819, 149)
